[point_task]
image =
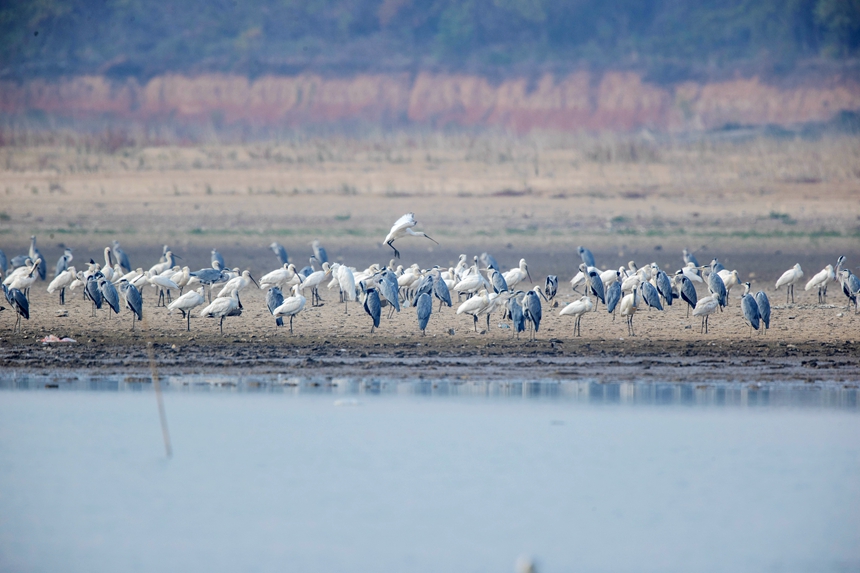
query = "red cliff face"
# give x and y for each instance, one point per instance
(619, 101)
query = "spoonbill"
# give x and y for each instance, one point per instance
(820, 280)
(577, 309)
(186, 303)
(629, 306)
(291, 306)
(517, 275)
(61, 282)
(221, 308)
(789, 278)
(706, 307)
(401, 228)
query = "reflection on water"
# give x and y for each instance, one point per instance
(710, 393)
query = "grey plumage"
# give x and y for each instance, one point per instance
(586, 256)
(425, 286)
(372, 307)
(19, 304)
(109, 294)
(688, 293)
(4, 263)
(498, 281)
(441, 292)
(750, 309)
(489, 261)
(517, 316)
(93, 293)
(63, 262)
(280, 252)
(389, 290)
(716, 266)
(596, 286)
(651, 296)
(551, 287)
(613, 296)
(216, 258)
(763, 308)
(133, 300)
(532, 310)
(121, 257)
(320, 253)
(689, 258)
(274, 299)
(424, 308)
(664, 287)
(718, 287)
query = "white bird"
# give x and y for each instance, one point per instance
(61, 282)
(346, 280)
(186, 303)
(577, 309)
(222, 307)
(705, 307)
(24, 281)
(401, 228)
(692, 273)
(629, 306)
(159, 268)
(313, 281)
(161, 283)
(517, 275)
(279, 277)
(820, 281)
(475, 305)
(291, 306)
(789, 278)
(471, 283)
(238, 284)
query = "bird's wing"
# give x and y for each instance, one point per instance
(404, 222)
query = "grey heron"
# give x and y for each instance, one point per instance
(19, 304)
(613, 297)
(93, 293)
(850, 287)
(280, 252)
(209, 277)
(36, 255)
(532, 310)
(716, 266)
(497, 280)
(133, 300)
(372, 307)
(424, 307)
(518, 319)
(651, 296)
(586, 256)
(763, 309)
(689, 258)
(664, 287)
(121, 257)
(717, 287)
(63, 262)
(688, 293)
(216, 258)
(274, 299)
(4, 263)
(440, 290)
(319, 252)
(490, 262)
(401, 228)
(551, 286)
(109, 295)
(750, 309)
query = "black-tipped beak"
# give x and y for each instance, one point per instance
(253, 281)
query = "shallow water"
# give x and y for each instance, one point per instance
(358, 474)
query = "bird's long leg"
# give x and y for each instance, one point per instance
(688, 311)
(291, 323)
(221, 325)
(169, 298)
(372, 326)
(345, 305)
(475, 321)
(188, 321)
(488, 323)
(133, 317)
(63, 296)
(396, 252)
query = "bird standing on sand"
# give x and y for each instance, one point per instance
(790, 278)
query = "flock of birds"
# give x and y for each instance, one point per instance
(481, 288)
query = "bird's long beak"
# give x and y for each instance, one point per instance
(540, 292)
(177, 257)
(431, 238)
(253, 281)
(529, 275)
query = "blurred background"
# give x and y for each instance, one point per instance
(726, 125)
